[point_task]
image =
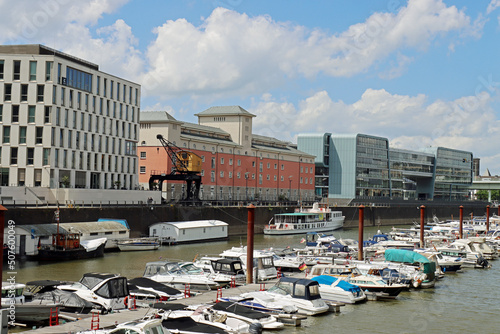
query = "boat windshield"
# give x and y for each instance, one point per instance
(192, 269)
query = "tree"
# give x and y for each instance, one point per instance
(483, 195)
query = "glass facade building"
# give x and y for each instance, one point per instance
(363, 166)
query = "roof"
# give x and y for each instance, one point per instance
(155, 116)
(225, 111)
(203, 128)
(40, 229)
(194, 224)
(88, 227)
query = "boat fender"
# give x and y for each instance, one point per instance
(255, 328)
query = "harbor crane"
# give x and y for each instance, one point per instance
(186, 166)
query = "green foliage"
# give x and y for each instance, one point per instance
(483, 195)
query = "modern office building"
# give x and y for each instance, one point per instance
(236, 163)
(453, 173)
(64, 123)
(361, 166)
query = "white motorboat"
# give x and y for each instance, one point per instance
(250, 316)
(143, 326)
(286, 296)
(105, 291)
(337, 290)
(139, 244)
(26, 312)
(223, 271)
(171, 274)
(319, 218)
(263, 261)
(351, 274)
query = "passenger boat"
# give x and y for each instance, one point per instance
(139, 244)
(319, 218)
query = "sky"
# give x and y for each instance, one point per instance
(419, 72)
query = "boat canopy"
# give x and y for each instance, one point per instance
(407, 256)
(302, 288)
(329, 280)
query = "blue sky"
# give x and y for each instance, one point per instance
(420, 72)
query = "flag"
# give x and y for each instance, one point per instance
(303, 266)
(302, 241)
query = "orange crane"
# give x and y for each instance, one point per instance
(186, 167)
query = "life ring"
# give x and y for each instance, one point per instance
(76, 244)
(286, 225)
(125, 301)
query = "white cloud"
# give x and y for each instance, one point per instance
(232, 52)
(494, 4)
(409, 122)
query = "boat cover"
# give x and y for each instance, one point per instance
(329, 280)
(143, 282)
(92, 245)
(187, 324)
(239, 309)
(408, 256)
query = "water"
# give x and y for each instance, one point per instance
(461, 302)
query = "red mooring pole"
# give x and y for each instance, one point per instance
(360, 231)
(422, 219)
(461, 227)
(487, 218)
(250, 232)
(2, 226)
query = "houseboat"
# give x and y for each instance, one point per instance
(189, 231)
(319, 218)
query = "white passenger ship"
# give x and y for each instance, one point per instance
(319, 218)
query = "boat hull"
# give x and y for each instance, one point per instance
(69, 254)
(137, 246)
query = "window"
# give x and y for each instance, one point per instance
(16, 74)
(7, 93)
(311, 169)
(15, 114)
(212, 176)
(46, 118)
(24, 93)
(98, 85)
(13, 155)
(71, 98)
(79, 100)
(1, 69)
(222, 174)
(1, 112)
(142, 169)
(46, 156)
(222, 161)
(78, 79)
(39, 93)
(63, 93)
(22, 135)
(48, 70)
(33, 70)
(282, 167)
(104, 87)
(239, 162)
(39, 135)
(30, 154)
(143, 155)
(213, 162)
(31, 114)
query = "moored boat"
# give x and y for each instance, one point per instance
(319, 218)
(139, 244)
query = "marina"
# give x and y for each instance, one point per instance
(464, 301)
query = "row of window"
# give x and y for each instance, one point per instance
(74, 160)
(74, 78)
(92, 142)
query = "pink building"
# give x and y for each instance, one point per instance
(236, 164)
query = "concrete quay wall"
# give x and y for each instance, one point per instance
(141, 217)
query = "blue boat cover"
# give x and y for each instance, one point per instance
(329, 280)
(405, 256)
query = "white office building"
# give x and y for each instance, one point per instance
(64, 123)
